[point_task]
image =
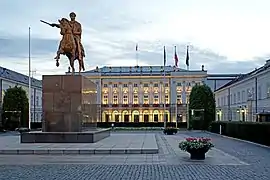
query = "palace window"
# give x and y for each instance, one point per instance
(155, 85)
(115, 100)
(114, 85)
(166, 85)
(135, 85)
(125, 85)
(135, 99)
(125, 98)
(179, 99)
(145, 85)
(105, 85)
(105, 99)
(145, 99)
(187, 98)
(179, 84)
(155, 99)
(167, 99)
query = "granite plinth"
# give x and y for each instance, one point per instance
(91, 136)
(68, 102)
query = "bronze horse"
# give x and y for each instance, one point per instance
(68, 46)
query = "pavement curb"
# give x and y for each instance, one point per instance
(228, 137)
(77, 151)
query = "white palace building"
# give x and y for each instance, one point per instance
(138, 94)
(245, 97)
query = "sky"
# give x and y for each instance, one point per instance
(225, 36)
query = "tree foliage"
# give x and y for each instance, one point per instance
(15, 108)
(202, 97)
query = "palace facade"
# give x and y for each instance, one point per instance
(143, 93)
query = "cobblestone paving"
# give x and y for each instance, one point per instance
(257, 158)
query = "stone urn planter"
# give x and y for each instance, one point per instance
(196, 147)
(170, 130)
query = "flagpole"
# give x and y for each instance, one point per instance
(29, 77)
(187, 59)
(137, 56)
(164, 82)
(187, 101)
(176, 64)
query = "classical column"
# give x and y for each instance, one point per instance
(141, 93)
(130, 93)
(120, 94)
(110, 94)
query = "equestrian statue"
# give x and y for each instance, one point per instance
(70, 44)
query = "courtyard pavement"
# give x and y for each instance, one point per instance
(230, 159)
(115, 144)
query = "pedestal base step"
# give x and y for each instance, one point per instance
(65, 151)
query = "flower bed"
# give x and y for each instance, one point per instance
(197, 147)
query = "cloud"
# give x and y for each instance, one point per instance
(18, 46)
(111, 29)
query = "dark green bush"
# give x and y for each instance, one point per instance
(202, 102)
(170, 130)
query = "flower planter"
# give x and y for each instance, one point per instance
(196, 147)
(197, 154)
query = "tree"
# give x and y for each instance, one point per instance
(15, 108)
(202, 103)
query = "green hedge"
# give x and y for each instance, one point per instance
(139, 124)
(258, 132)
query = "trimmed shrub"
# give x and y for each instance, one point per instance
(258, 132)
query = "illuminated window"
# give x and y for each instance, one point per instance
(115, 100)
(145, 99)
(155, 99)
(187, 100)
(135, 99)
(167, 99)
(125, 98)
(105, 99)
(179, 99)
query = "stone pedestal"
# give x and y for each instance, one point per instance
(68, 103)
(69, 112)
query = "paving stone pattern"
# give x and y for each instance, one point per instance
(115, 144)
(230, 159)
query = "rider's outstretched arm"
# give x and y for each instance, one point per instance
(55, 25)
